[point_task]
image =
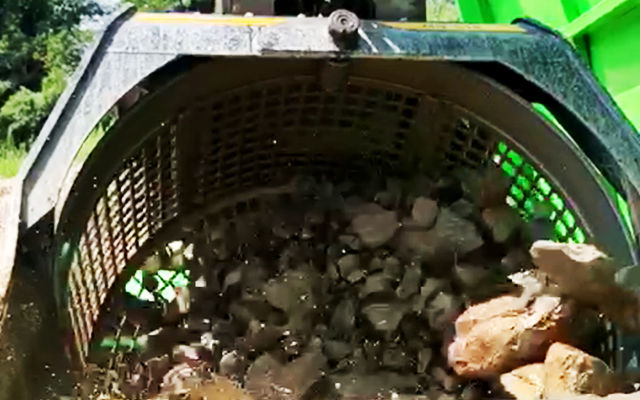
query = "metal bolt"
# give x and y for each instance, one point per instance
(343, 28)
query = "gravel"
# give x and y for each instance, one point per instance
(338, 289)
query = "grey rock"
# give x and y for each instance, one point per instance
(629, 277)
(418, 303)
(471, 392)
(232, 278)
(354, 206)
(424, 211)
(503, 221)
(348, 264)
(395, 358)
(455, 233)
(515, 260)
(293, 290)
(196, 323)
(343, 319)
(356, 363)
(376, 283)
(248, 310)
(293, 345)
(410, 282)
(385, 316)
(410, 224)
(231, 364)
(470, 276)
(356, 276)
(442, 310)
(392, 268)
(375, 229)
(448, 382)
(351, 241)
(336, 350)
(158, 367)
(261, 337)
(332, 271)
(376, 264)
(387, 199)
(463, 208)
(488, 186)
(433, 286)
(373, 351)
(424, 359)
(419, 242)
(381, 383)
(268, 379)
(306, 233)
(284, 230)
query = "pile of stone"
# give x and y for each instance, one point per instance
(530, 341)
(362, 290)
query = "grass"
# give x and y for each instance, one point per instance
(11, 157)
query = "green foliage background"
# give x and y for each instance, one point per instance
(40, 45)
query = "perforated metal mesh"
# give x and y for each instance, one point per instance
(260, 131)
(260, 136)
(139, 200)
(530, 188)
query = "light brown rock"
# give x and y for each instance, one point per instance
(584, 273)
(504, 333)
(613, 396)
(525, 383)
(572, 371)
(580, 270)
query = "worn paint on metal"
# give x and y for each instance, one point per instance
(429, 26)
(187, 18)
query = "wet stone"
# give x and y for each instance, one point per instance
(376, 283)
(384, 316)
(320, 292)
(424, 358)
(442, 310)
(392, 268)
(348, 265)
(344, 318)
(463, 208)
(336, 350)
(456, 234)
(471, 276)
(395, 358)
(424, 212)
(351, 241)
(503, 221)
(410, 282)
(375, 229)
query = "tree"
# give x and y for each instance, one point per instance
(173, 5)
(40, 45)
